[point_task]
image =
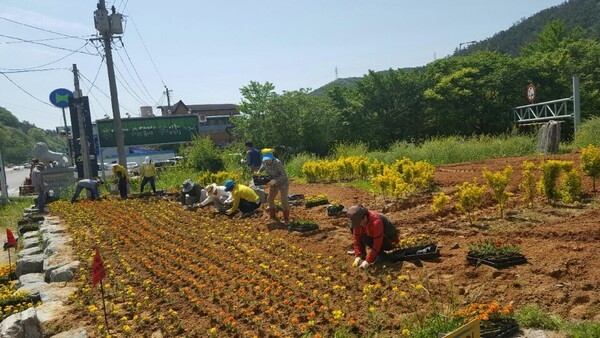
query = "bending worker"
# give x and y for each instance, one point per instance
(242, 197)
(373, 230)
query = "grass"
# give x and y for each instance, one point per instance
(12, 212)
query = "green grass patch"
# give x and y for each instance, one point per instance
(12, 212)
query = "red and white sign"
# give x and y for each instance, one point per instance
(531, 93)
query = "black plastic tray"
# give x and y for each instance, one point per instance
(430, 251)
(497, 261)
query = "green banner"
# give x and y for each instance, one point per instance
(149, 130)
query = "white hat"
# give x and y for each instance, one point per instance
(211, 188)
(147, 159)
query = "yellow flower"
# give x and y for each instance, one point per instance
(406, 332)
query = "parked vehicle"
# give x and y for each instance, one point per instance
(133, 168)
(162, 165)
(176, 158)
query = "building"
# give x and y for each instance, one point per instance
(213, 119)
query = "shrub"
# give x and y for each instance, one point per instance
(469, 196)
(590, 158)
(528, 183)
(498, 182)
(439, 202)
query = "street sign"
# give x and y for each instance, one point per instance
(60, 97)
(531, 93)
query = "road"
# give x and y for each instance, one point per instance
(14, 179)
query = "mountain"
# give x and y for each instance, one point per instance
(18, 139)
(582, 14)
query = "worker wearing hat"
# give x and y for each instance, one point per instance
(373, 230)
(279, 183)
(191, 193)
(243, 198)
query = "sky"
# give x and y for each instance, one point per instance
(205, 51)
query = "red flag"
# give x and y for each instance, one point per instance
(10, 239)
(98, 269)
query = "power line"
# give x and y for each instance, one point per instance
(130, 75)
(146, 48)
(16, 71)
(44, 44)
(25, 91)
(49, 63)
(128, 87)
(37, 40)
(100, 90)
(42, 29)
(138, 75)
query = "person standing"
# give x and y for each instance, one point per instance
(148, 172)
(279, 183)
(252, 157)
(121, 174)
(373, 230)
(90, 185)
(242, 197)
(38, 182)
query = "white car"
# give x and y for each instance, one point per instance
(133, 168)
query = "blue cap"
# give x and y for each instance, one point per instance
(229, 184)
(267, 156)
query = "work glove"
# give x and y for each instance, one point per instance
(229, 212)
(270, 183)
(364, 265)
(356, 262)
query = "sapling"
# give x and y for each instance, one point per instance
(469, 197)
(498, 181)
(590, 163)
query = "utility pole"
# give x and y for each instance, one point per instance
(83, 141)
(168, 92)
(108, 25)
(3, 185)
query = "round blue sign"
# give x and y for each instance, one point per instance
(60, 97)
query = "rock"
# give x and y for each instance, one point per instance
(21, 325)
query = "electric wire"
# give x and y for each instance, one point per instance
(100, 90)
(42, 29)
(146, 48)
(46, 64)
(44, 44)
(132, 77)
(37, 40)
(127, 87)
(25, 91)
(138, 75)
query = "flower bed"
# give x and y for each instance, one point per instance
(495, 253)
(313, 201)
(303, 225)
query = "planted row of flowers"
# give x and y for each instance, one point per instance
(189, 274)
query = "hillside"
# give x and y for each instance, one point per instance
(19, 137)
(575, 13)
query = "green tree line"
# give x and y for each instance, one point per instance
(17, 139)
(455, 96)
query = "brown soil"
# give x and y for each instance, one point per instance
(559, 241)
(562, 274)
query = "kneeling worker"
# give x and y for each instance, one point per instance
(242, 197)
(90, 185)
(373, 230)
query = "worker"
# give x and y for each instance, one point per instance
(90, 185)
(243, 198)
(148, 172)
(123, 179)
(279, 183)
(215, 194)
(373, 230)
(191, 193)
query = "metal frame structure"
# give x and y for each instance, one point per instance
(551, 110)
